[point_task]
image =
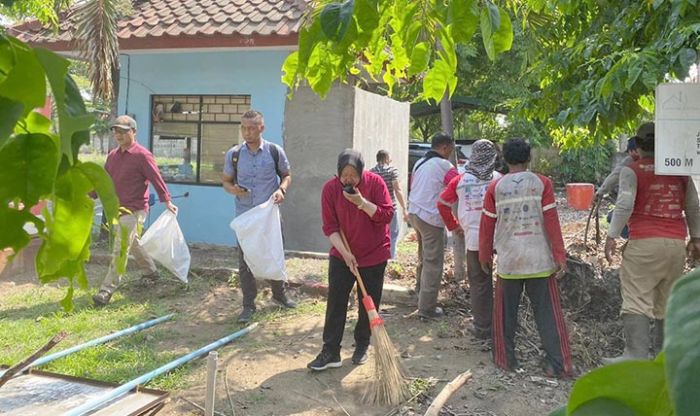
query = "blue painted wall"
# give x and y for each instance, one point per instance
(204, 216)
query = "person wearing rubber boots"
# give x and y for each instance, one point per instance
(660, 211)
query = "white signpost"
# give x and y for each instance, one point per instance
(677, 147)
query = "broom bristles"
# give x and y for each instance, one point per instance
(389, 385)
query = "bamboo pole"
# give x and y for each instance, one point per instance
(210, 398)
(125, 388)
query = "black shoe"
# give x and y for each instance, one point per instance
(101, 298)
(359, 357)
(325, 360)
(284, 301)
(246, 315)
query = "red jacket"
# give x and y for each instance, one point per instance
(368, 238)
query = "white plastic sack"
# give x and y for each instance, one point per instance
(164, 242)
(260, 236)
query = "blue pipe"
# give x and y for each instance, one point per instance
(125, 388)
(127, 331)
(102, 340)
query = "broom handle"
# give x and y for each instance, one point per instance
(354, 271)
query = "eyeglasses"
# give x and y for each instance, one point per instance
(117, 130)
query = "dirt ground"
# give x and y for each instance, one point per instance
(264, 373)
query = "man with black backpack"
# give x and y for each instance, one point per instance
(254, 172)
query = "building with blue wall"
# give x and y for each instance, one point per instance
(188, 71)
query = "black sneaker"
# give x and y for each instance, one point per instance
(246, 315)
(325, 360)
(101, 298)
(359, 357)
(284, 301)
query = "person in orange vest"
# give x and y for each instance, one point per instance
(659, 210)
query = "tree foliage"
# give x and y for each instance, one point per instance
(598, 62)
(38, 163)
(394, 41)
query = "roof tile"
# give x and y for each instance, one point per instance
(156, 18)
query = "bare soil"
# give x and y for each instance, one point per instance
(264, 373)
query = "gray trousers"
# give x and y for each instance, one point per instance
(481, 292)
(250, 288)
(431, 252)
(128, 224)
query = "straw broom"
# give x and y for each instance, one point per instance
(389, 385)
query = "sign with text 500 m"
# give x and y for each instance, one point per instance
(677, 147)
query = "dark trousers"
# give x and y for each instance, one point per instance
(544, 296)
(481, 291)
(340, 283)
(250, 288)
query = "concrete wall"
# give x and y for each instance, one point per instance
(205, 215)
(316, 131)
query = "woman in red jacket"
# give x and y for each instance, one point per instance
(357, 204)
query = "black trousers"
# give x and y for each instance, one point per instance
(340, 283)
(250, 288)
(544, 296)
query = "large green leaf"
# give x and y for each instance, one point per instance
(12, 223)
(487, 29)
(69, 227)
(464, 17)
(69, 104)
(25, 82)
(682, 341)
(503, 37)
(29, 163)
(104, 186)
(638, 385)
(438, 79)
(420, 58)
(335, 19)
(10, 113)
(603, 406)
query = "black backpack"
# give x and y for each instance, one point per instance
(274, 151)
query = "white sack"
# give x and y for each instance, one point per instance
(259, 235)
(164, 242)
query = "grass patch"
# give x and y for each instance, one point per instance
(29, 318)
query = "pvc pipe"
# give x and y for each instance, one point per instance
(210, 397)
(125, 388)
(102, 340)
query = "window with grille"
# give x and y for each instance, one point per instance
(190, 134)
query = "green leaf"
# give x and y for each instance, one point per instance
(494, 15)
(68, 229)
(367, 15)
(10, 113)
(639, 385)
(633, 72)
(29, 164)
(335, 18)
(559, 412)
(290, 68)
(464, 17)
(437, 80)
(682, 337)
(69, 103)
(12, 223)
(603, 406)
(420, 58)
(102, 183)
(25, 82)
(67, 301)
(487, 33)
(503, 37)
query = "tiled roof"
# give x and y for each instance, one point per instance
(248, 21)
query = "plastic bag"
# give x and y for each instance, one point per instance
(164, 242)
(259, 234)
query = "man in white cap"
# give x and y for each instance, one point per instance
(132, 167)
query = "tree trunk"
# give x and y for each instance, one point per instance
(114, 104)
(458, 244)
